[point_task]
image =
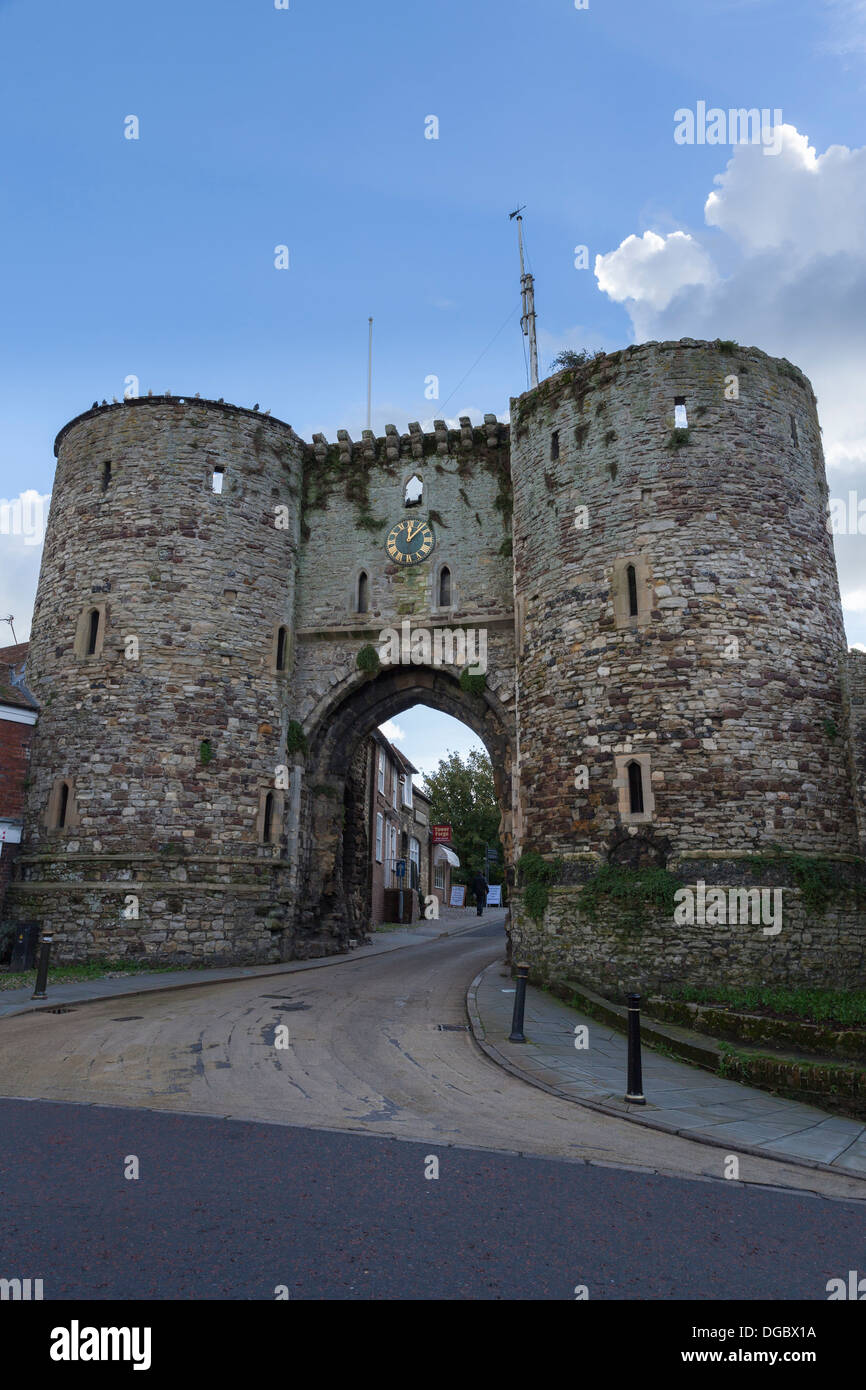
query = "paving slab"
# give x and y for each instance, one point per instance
(679, 1096)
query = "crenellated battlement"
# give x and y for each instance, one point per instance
(392, 446)
(370, 448)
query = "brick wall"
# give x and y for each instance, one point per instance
(15, 743)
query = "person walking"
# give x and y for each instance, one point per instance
(479, 888)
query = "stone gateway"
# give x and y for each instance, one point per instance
(665, 692)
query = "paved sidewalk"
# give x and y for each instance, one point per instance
(683, 1099)
(451, 922)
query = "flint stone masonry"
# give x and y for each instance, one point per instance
(730, 685)
(656, 955)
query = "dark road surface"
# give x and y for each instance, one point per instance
(226, 1209)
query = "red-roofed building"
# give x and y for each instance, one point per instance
(18, 713)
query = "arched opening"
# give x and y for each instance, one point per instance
(413, 493)
(268, 821)
(444, 597)
(635, 788)
(365, 816)
(282, 646)
(631, 577)
(362, 603)
(62, 805)
(92, 631)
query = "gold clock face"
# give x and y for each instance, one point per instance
(410, 542)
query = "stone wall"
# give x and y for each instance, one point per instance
(728, 680)
(854, 731)
(168, 735)
(354, 494)
(616, 958)
(728, 686)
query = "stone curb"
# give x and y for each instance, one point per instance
(635, 1114)
(251, 972)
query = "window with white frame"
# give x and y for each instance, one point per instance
(394, 786)
(390, 853)
(381, 781)
(379, 825)
(439, 876)
(415, 858)
(407, 789)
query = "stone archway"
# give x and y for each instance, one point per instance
(333, 849)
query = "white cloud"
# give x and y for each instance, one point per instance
(653, 269)
(392, 731)
(810, 204)
(784, 269)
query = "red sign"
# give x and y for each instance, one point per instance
(441, 834)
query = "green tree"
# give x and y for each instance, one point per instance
(569, 357)
(464, 798)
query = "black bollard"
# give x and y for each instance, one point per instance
(42, 968)
(516, 1034)
(635, 1095)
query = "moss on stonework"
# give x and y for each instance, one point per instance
(820, 880)
(634, 892)
(506, 548)
(535, 875)
(322, 475)
(472, 684)
(678, 439)
(296, 739)
(368, 660)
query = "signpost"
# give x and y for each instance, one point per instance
(400, 871)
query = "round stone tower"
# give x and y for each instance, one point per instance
(680, 638)
(162, 645)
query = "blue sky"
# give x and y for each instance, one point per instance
(305, 127)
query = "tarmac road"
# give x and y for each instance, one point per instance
(302, 1191)
(367, 1054)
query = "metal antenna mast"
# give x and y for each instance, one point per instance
(527, 290)
(370, 373)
